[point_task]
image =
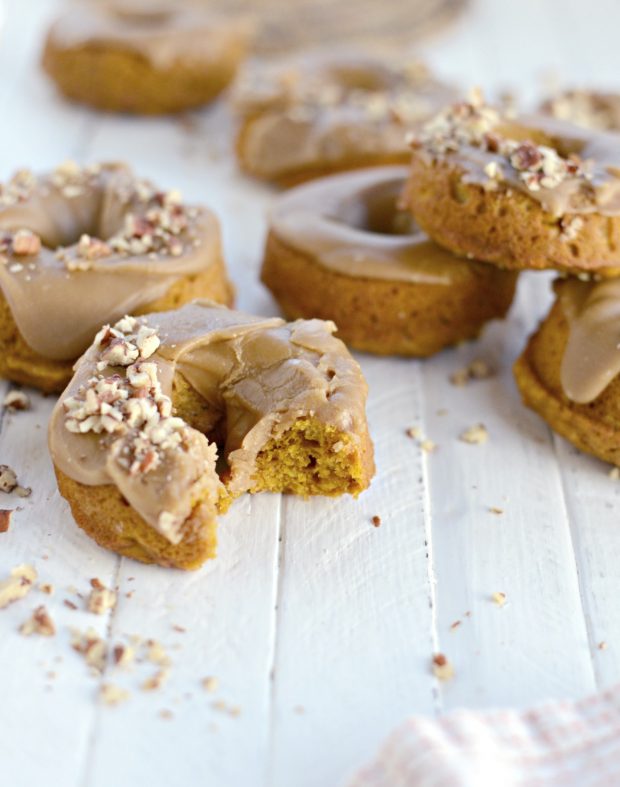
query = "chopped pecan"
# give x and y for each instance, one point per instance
(26, 243)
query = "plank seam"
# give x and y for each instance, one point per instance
(428, 539)
(5, 388)
(273, 654)
(574, 539)
(96, 717)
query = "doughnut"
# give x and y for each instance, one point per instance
(339, 248)
(134, 438)
(569, 373)
(518, 192)
(589, 108)
(81, 246)
(146, 58)
(326, 113)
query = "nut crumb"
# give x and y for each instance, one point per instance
(47, 588)
(480, 370)
(39, 623)
(5, 519)
(496, 510)
(8, 479)
(156, 653)
(455, 625)
(156, 681)
(123, 655)
(9, 483)
(18, 585)
(210, 684)
(476, 370)
(101, 599)
(16, 400)
(376, 521)
(602, 645)
(426, 445)
(92, 647)
(475, 435)
(231, 710)
(69, 604)
(110, 694)
(442, 668)
(498, 598)
(26, 243)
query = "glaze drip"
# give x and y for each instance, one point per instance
(592, 356)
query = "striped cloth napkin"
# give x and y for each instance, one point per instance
(558, 744)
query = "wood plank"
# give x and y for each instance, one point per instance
(227, 608)
(515, 654)
(56, 712)
(593, 503)
(355, 603)
(43, 532)
(227, 611)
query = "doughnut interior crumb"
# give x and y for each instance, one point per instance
(311, 458)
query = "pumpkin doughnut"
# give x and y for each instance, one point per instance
(327, 113)
(142, 57)
(82, 246)
(133, 437)
(520, 193)
(569, 373)
(589, 108)
(339, 248)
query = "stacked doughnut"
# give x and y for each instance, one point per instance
(536, 193)
(342, 248)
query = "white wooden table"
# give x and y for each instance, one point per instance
(318, 626)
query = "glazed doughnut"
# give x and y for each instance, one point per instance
(147, 58)
(82, 246)
(589, 108)
(339, 248)
(521, 193)
(133, 436)
(569, 372)
(328, 113)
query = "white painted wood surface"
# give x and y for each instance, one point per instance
(319, 627)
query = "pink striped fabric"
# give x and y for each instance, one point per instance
(558, 744)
